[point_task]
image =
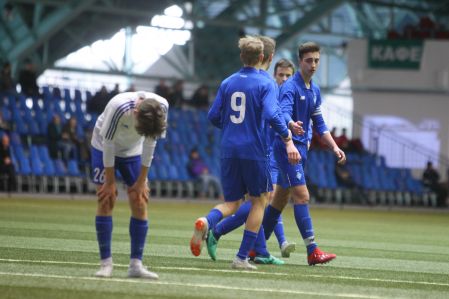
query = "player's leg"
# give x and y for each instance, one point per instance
(234, 190)
(281, 192)
(304, 222)
(262, 255)
(138, 223)
(284, 245)
(274, 209)
(103, 218)
(301, 197)
(225, 226)
(258, 187)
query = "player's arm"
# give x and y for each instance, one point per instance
(320, 126)
(286, 99)
(273, 114)
(109, 189)
(214, 114)
(141, 185)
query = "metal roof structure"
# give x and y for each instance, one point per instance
(47, 30)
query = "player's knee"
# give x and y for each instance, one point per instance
(106, 204)
(302, 199)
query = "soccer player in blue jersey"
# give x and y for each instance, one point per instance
(124, 138)
(244, 103)
(260, 254)
(283, 69)
(300, 100)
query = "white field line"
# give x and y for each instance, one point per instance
(193, 285)
(236, 271)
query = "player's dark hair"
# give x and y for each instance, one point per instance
(283, 62)
(307, 48)
(151, 118)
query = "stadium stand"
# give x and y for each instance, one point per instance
(376, 183)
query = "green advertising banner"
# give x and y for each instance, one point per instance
(395, 54)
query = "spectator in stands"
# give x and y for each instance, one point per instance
(200, 98)
(176, 98)
(99, 101)
(199, 171)
(54, 136)
(430, 177)
(6, 82)
(431, 180)
(162, 89)
(4, 125)
(356, 145)
(317, 142)
(115, 91)
(7, 170)
(343, 176)
(131, 88)
(28, 79)
(345, 180)
(75, 145)
(342, 141)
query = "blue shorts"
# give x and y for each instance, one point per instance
(274, 169)
(241, 176)
(289, 175)
(129, 168)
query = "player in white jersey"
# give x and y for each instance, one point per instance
(124, 139)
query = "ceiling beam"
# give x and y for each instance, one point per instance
(48, 27)
(321, 9)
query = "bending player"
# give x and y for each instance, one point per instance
(124, 139)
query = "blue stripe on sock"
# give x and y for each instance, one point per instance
(138, 232)
(304, 223)
(103, 226)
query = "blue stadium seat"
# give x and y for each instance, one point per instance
(72, 168)
(60, 168)
(36, 163)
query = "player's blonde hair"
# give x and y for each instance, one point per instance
(250, 50)
(269, 45)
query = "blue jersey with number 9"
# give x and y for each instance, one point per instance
(244, 103)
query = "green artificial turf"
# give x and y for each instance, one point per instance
(48, 249)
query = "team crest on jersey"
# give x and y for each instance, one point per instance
(298, 175)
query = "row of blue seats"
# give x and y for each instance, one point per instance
(367, 170)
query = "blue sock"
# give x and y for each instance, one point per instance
(138, 232)
(260, 246)
(304, 223)
(279, 231)
(103, 226)
(213, 218)
(249, 238)
(231, 223)
(269, 220)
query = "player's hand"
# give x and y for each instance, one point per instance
(141, 189)
(340, 155)
(292, 152)
(296, 127)
(107, 191)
